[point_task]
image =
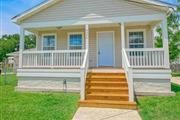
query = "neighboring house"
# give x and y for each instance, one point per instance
(101, 48)
(13, 58)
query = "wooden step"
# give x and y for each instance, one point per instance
(106, 96)
(105, 74)
(108, 104)
(107, 90)
(107, 84)
(120, 90)
(105, 77)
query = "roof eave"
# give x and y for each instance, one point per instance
(40, 6)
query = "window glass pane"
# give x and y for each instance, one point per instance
(136, 40)
(49, 42)
(75, 41)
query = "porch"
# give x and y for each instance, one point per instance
(89, 52)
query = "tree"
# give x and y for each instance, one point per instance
(173, 34)
(10, 43)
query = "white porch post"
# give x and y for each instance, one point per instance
(87, 41)
(122, 39)
(83, 74)
(87, 36)
(21, 47)
(37, 40)
(165, 43)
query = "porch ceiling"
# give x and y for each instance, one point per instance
(150, 23)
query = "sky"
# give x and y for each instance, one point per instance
(10, 8)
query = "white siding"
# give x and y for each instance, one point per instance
(85, 9)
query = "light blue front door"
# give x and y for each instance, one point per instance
(105, 49)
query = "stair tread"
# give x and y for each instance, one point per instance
(109, 88)
(108, 102)
(107, 82)
(106, 72)
(106, 77)
(107, 94)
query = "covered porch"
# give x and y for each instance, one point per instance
(89, 49)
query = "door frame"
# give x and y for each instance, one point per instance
(97, 47)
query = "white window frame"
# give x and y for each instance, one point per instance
(137, 30)
(48, 34)
(75, 33)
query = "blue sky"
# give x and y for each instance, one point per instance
(10, 8)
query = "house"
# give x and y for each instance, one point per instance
(13, 58)
(103, 49)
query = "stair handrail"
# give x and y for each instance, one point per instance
(83, 71)
(129, 75)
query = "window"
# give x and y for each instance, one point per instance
(49, 42)
(136, 39)
(75, 41)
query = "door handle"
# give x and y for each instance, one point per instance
(99, 52)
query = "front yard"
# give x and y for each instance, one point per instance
(62, 106)
(34, 106)
(160, 108)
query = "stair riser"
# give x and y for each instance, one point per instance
(106, 91)
(107, 85)
(107, 98)
(106, 80)
(108, 106)
(105, 74)
(107, 77)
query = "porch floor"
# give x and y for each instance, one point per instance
(106, 70)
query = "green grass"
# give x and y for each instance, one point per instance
(176, 74)
(34, 106)
(161, 108)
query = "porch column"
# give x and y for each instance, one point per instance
(37, 40)
(122, 39)
(87, 36)
(165, 43)
(21, 46)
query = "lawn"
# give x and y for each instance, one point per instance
(161, 108)
(176, 74)
(34, 106)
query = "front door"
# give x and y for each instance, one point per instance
(105, 49)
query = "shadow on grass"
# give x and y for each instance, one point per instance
(175, 87)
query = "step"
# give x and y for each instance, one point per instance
(106, 96)
(103, 73)
(108, 104)
(107, 84)
(105, 77)
(120, 90)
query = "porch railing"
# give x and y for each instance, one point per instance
(129, 75)
(146, 57)
(53, 59)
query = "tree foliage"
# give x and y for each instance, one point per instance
(10, 43)
(173, 34)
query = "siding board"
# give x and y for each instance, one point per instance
(88, 9)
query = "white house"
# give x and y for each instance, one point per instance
(103, 49)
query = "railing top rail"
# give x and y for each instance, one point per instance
(54, 51)
(85, 59)
(144, 49)
(126, 58)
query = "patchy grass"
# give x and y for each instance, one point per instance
(34, 106)
(161, 108)
(176, 74)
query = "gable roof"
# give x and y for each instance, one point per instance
(48, 3)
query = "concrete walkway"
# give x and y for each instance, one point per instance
(176, 80)
(85, 113)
